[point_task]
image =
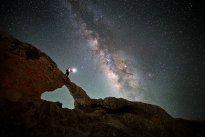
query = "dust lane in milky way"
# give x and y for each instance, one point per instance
(115, 64)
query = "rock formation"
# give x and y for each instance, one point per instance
(26, 73)
(25, 70)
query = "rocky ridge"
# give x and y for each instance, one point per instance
(26, 73)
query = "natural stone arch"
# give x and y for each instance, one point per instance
(60, 95)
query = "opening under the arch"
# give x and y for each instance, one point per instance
(61, 95)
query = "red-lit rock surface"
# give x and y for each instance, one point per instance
(26, 72)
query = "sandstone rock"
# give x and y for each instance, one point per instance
(26, 72)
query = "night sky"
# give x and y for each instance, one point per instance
(141, 50)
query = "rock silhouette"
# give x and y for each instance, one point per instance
(26, 73)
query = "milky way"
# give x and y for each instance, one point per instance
(115, 64)
(142, 49)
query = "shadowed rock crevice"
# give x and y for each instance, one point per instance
(26, 73)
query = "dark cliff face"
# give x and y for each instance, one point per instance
(26, 73)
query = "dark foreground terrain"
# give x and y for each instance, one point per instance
(26, 73)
